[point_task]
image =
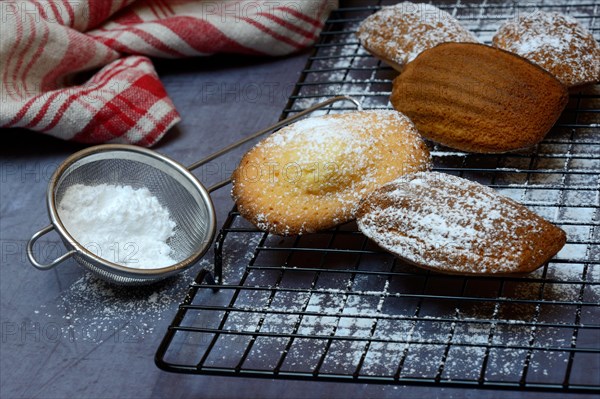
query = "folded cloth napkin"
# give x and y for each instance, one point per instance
(45, 45)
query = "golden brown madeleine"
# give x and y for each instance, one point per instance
(311, 175)
(397, 34)
(556, 42)
(452, 225)
(478, 98)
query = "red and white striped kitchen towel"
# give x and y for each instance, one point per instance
(46, 44)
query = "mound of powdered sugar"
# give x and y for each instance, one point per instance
(119, 223)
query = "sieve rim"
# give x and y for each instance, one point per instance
(115, 268)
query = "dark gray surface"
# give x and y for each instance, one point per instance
(220, 99)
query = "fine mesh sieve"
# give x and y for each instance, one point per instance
(178, 190)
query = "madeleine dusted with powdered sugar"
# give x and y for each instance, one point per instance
(397, 34)
(452, 225)
(311, 175)
(556, 42)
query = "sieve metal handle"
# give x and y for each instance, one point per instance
(32, 258)
(266, 130)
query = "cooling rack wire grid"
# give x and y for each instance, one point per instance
(334, 307)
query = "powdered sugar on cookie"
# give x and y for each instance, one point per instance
(311, 175)
(453, 225)
(556, 42)
(399, 33)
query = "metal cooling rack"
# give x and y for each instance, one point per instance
(335, 307)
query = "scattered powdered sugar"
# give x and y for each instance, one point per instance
(236, 257)
(119, 223)
(387, 333)
(94, 310)
(323, 139)
(556, 43)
